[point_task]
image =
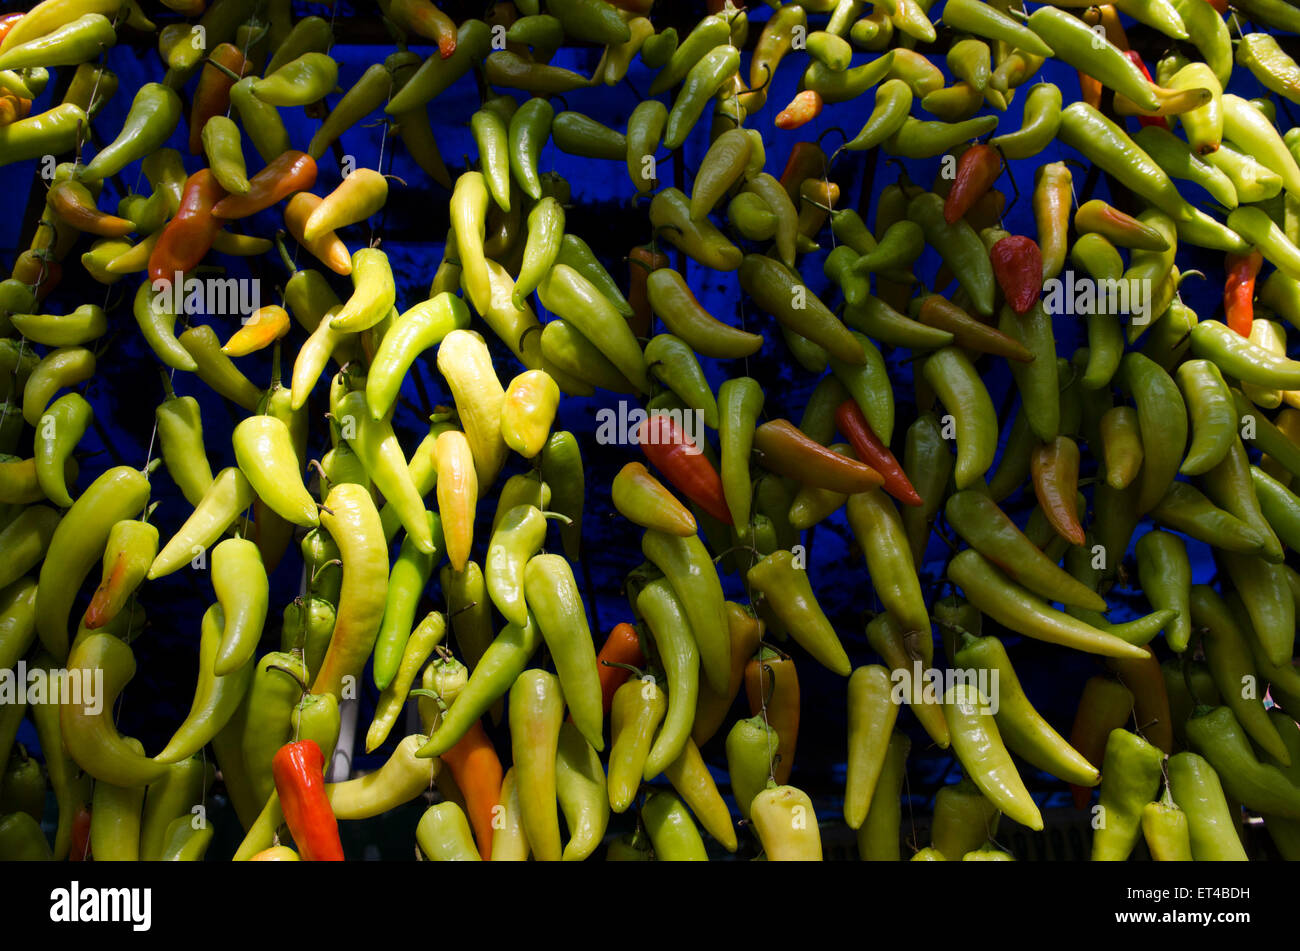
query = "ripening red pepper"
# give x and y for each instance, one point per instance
(683, 463)
(299, 771)
(621, 647)
(1136, 58)
(803, 108)
(977, 170)
(188, 236)
(423, 18)
(869, 449)
(1239, 290)
(1018, 267)
(212, 95)
(291, 172)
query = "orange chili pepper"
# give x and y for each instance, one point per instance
(212, 95)
(1054, 467)
(807, 160)
(424, 19)
(641, 260)
(977, 170)
(772, 684)
(1146, 682)
(13, 108)
(80, 850)
(7, 23)
(75, 206)
(803, 108)
(188, 236)
(266, 325)
(621, 647)
(1239, 290)
(36, 269)
(477, 772)
(328, 248)
(291, 172)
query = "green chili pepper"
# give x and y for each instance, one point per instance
(57, 434)
(789, 596)
(675, 645)
(1037, 380)
(1228, 656)
(153, 116)
(958, 386)
(1187, 510)
(977, 518)
(1196, 789)
(1024, 731)
(670, 216)
(552, 594)
(275, 690)
(689, 570)
(976, 740)
(960, 248)
(1217, 735)
(1131, 773)
(562, 470)
(261, 121)
(741, 402)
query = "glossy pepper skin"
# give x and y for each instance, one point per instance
(977, 743)
(676, 648)
(187, 238)
(536, 711)
(355, 527)
(790, 597)
(90, 735)
(301, 787)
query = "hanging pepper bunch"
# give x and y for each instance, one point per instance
(539, 735)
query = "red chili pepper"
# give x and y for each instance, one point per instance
(1145, 121)
(80, 848)
(683, 464)
(7, 23)
(621, 647)
(1239, 290)
(641, 260)
(212, 95)
(1220, 6)
(299, 771)
(869, 449)
(1018, 267)
(291, 172)
(803, 108)
(977, 170)
(189, 236)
